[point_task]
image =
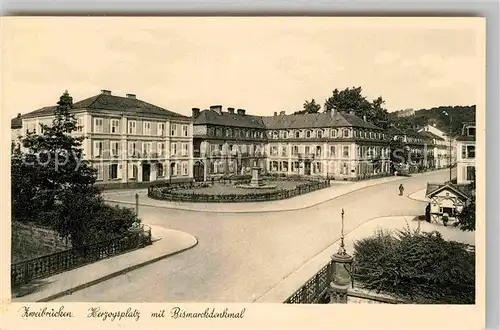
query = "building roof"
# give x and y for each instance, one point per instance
(228, 119)
(431, 135)
(16, 122)
(434, 188)
(111, 103)
(317, 120)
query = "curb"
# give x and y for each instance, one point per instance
(115, 274)
(400, 178)
(415, 199)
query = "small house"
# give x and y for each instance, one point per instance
(447, 199)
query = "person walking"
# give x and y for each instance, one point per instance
(401, 190)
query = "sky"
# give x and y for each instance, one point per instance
(258, 64)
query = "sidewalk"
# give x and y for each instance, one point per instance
(337, 188)
(419, 196)
(295, 280)
(166, 242)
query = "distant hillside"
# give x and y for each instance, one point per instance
(422, 117)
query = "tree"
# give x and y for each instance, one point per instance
(53, 185)
(309, 107)
(352, 99)
(467, 218)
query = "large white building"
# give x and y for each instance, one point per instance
(466, 154)
(443, 146)
(128, 140)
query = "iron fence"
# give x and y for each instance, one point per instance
(26, 271)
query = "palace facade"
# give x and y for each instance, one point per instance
(333, 144)
(128, 140)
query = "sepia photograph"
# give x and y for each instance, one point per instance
(273, 160)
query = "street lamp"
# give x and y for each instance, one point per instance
(342, 271)
(449, 139)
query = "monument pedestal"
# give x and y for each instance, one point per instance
(256, 179)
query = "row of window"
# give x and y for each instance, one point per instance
(114, 127)
(235, 132)
(318, 168)
(238, 148)
(115, 170)
(408, 139)
(325, 133)
(176, 149)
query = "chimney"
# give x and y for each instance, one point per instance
(275, 114)
(364, 117)
(216, 108)
(231, 110)
(241, 112)
(18, 115)
(195, 112)
(131, 96)
(282, 113)
(105, 92)
(332, 113)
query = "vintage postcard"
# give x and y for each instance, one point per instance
(243, 172)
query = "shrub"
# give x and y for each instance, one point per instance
(421, 267)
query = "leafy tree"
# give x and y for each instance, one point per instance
(53, 185)
(417, 266)
(467, 218)
(352, 99)
(310, 107)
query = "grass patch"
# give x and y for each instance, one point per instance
(26, 247)
(230, 189)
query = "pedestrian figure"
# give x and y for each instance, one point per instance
(401, 190)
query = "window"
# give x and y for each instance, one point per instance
(471, 131)
(471, 173)
(174, 169)
(218, 131)
(132, 171)
(346, 133)
(211, 131)
(97, 148)
(98, 125)
(274, 151)
(146, 149)
(320, 134)
(345, 151)
(114, 148)
(173, 149)
(100, 171)
(333, 133)
(297, 134)
(173, 130)
(295, 166)
(132, 146)
(115, 125)
(468, 152)
(185, 168)
(285, 135)
(146, 128)
(160, 131)
(132, 127)
(318, 151)
(113, 171)
(236, 132)
(275, 135)
(274, 166)
(307, 150)
(159, 170)
(79, 124)
(247, 134)
(185, 151)
(308, 134)
(161, 149)
(284, 166)
(295, 150)
(185, 130)
(332, 151)
(283, 151)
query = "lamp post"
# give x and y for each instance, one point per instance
(342, 271)
(449, 139)
(137, 205)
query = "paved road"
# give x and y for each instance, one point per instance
(241, 256)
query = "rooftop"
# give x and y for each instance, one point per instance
(433, 188)
(106, 101)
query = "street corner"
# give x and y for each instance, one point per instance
(173, 241)
(419, 195)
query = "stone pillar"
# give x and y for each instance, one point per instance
(341, 277)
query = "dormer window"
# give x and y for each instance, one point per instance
(275, 134)
(346, 133)
(333, 133)
(308, 134)
(285, 135)
(320, 134)
(471, 131)
(297, 134)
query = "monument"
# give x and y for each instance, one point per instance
(256, 178)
